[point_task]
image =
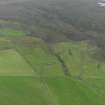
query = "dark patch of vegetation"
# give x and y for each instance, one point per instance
(66, 71)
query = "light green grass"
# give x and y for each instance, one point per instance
(36, 53)
(12, 64)
(45, 64)
(11, 32)
(31, 75)
(78, 59)
(10, 28)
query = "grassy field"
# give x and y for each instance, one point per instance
(61, 91)
(10, 32)
(12, 64)
(22, 91)
(97, 84)
(78, 59)
(77, 56)
(33, 74)
(41, 60)
(10, 28)
(73, 92)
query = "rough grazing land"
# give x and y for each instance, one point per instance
(12, 64)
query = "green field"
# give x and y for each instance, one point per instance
(78, 58)
(53, 91)
(12, 64)
(22, 91)
(35, 73)
(52, 52)
(32, 74)
(11, 32)
(73, 92)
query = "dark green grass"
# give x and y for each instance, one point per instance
(22, 91)
(53, 91)
(97, 84)
(70, 92)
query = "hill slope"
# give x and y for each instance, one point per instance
(49, 84)
(52, 52)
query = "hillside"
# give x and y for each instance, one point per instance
(32, 74)
(52, 52)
